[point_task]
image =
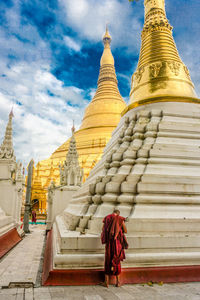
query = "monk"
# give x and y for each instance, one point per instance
(115, 242)
(34, 217)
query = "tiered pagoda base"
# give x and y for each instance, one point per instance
(90, 276)
(9, 236)
(150, 170)
(8, 241)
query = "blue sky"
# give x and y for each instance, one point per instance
(49, 57)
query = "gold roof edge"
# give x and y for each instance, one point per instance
(166, 98)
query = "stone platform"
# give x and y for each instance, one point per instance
(150, 172)
(90, 276)
(9, 236)
(8, 240)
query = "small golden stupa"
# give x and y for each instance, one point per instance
(101, 117)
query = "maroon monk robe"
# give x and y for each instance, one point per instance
(33, 216)
(114, 238)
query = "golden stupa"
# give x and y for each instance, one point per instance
(161, 76)
(38, 194)
(101, 117)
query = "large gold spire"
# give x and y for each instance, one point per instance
(161, 75)
(107, 102)
(101, 117)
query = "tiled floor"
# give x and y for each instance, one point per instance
(23, 264)
(188, 291)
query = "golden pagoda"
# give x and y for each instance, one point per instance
(50, 177)
(38, 194)
(101, 117)
(161, 76)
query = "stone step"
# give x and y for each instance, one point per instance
(180, 179)
(149, 226)
(168, 199)
(170, 152)
(176, 146)
(180, 126)
(178, 141)
(174, 161)
(172, 188)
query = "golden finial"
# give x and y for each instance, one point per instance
(107, 57)
(107, 38)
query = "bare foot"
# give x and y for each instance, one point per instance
(118, 284)
(105, 284)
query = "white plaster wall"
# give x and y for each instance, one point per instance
(10, 197)
(61, 200)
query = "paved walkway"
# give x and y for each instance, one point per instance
(23, 265)
(189, 291)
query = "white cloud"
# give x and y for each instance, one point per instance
(92, 92)
(72, 44)
(43, 107)
(89, 18)
(42, 122)
(126, 77)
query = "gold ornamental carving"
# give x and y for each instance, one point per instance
(136, 77)
(156, 20)
(155, 69)
(187, 72)
(154, 2)
(174, 67)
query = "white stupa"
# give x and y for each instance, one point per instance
(11, 189)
